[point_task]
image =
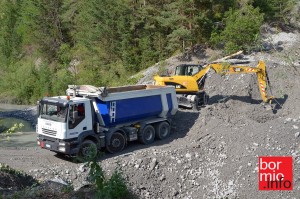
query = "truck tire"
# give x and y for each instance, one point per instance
(88, 150)
(147, 135)
(162, 130)
(117, 143)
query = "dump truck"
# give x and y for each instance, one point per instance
(90, 117)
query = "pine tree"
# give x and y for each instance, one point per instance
(42, 26)
(10, 39)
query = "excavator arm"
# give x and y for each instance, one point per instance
(259, 70)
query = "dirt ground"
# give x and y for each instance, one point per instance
(212, 153)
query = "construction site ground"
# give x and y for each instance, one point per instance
(211, 153)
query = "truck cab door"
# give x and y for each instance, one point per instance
(77, 119)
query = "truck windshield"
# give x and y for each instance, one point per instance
(53, 112)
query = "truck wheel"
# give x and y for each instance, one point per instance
(147, 135)
(117, 143)
(88, 149)
(162, 130)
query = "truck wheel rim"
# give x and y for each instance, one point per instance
(164, 131)
(148, 135)
(115, 143)
(87, 150)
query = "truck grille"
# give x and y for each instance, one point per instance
(49, 132)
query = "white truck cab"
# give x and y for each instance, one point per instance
(62, 119)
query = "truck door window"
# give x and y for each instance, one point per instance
(76, 114)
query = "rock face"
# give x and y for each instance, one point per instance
(212, 153)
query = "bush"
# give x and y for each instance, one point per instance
(10, 131)
(115, 187)
(241, 30)
(275, 10)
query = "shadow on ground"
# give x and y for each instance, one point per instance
(181, 124)
(277, 103)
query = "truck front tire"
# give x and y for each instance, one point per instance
(88, 149)
(162, 130)
(117, 143)
(147, 135)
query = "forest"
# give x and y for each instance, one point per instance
(46, 45)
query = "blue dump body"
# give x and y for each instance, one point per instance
(135, 105)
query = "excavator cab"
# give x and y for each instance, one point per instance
(187, 69)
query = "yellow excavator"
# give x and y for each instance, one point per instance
(189, 80)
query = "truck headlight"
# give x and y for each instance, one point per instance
(62, 144)
(62, 149)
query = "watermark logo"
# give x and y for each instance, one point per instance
(275, 173)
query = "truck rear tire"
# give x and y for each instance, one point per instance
(147, 135)
(162, 130)
(88, 150)
(117, 143)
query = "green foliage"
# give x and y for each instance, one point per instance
(10, 131)
(111, 40)
(275, 10)
(241, 30)
(116, 186)
(113, 188)
(43, 25)
(9, 38)
(68, 189)
(8, 169)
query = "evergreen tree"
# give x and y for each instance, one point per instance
(275, 9)
(10, 39)
(241, 30)
(41, 24)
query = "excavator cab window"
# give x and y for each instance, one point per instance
(180, 70)
(187, 70)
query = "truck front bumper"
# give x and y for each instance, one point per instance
(68, 147)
